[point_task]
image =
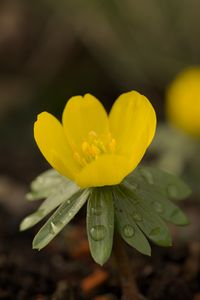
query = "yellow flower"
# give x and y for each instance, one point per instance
(183, 101)
(92, 148)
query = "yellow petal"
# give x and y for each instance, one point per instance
(52, 142)
(132, 123)
(83, 115)
(105, 170)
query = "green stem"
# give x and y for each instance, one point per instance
(128, 283)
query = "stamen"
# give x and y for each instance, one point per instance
(94, 146)
(79, 159)
(112, 145)
(85, 147)
(92, 134)
(100, 145)
(95, 151)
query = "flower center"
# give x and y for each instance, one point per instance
(94, 146)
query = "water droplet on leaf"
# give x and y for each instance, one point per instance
(54, 228)
(131, 185)
(147, 176)
(158, 207)
(97, 210)
(137, 217)
(128, 231)
(155, 231)
(98, 232)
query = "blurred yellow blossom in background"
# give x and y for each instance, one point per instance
(183, 101)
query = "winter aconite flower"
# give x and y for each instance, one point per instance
(183, 101)
(93, 148)
(95, 154)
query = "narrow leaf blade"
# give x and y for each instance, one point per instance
(45, 184)
(165, 208)
(147, 220)
(168, 184)
(126, 226)
(153, 192)
(100, 224)
(62, 193)
(62, 216)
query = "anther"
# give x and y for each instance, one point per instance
(92, 134)
(112, 145)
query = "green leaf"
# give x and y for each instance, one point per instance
(154, 194)
(100, 224)
(45, 184)
(163, 207)
(62, 216)
(158, 181)
(126, 225)
(63, 192)
(146, 219)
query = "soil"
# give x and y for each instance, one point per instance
(64, 270)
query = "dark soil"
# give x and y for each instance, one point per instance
(65, 270)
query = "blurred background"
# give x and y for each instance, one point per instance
(52, 50)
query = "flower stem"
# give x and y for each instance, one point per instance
(128, 283)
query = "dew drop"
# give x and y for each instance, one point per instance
(54, 228)
(135, 185)
(172, 191)
(118, 209)
(68, 202)
(98, 232)
(147, 176)
(128, 231)
(131, 185)
(155, 231)
(135, 201)
(97, 210)
(158, 207)
(137, 217)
